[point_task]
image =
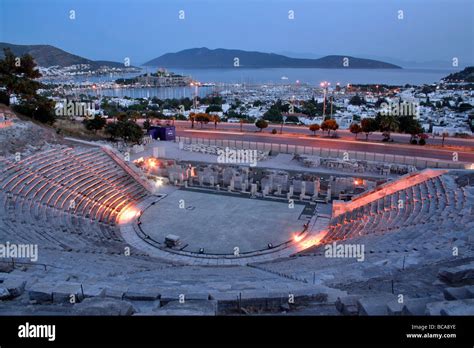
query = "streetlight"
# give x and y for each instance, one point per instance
(195, 85)
(332, 102)
(325, 86)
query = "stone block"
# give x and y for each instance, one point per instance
(347, 305)
(93, 291)
(143, 295)
(41, 293)
(63, 292)
(114, 293)
(459, 307)
(394, 307)
(15, 286)
(188, 308)
(4, 294)
(416, 306)
(103, 306)
(457, 293)
(374, 305)
(457, 274)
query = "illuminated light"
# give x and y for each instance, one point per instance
(312, 240)
(358, 181)
(128, 215)
(297, 237)
(151, 163)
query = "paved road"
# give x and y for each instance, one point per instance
(341, 144)
(303, 130)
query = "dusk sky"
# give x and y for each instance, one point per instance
(432, 30)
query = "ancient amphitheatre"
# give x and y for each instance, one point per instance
(100, 220)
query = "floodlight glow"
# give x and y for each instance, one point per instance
(128, 215)
(297, 237)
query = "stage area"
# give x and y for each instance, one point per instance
(219, 222)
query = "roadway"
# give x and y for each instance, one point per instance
(342, 143)
(343, 133)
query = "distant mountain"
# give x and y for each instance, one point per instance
(224, 58)
(304, 55)
(466, 75)
(47, 55)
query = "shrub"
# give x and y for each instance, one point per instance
(4, 99)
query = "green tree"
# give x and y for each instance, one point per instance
(273, 115)
(387, 125)
(131, 132)
(216, 119)
(355, 128)
(213, 108)
(310, 108)
(127, 130)
(368, 125)
(17, 75)
(314, 128)
(94, 124)
(356, 100)
(292, 119)
(410, 125)
(202, 118)
(329, 125)
(261, 124)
